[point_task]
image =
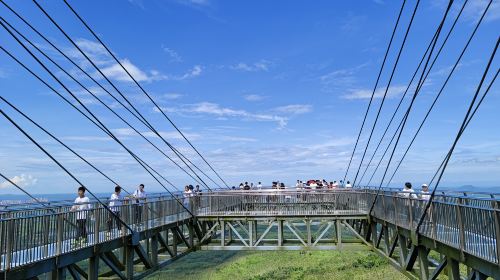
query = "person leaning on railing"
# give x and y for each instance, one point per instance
(139, 196)
(82, 206)
(115, 203)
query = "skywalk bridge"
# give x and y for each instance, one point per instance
(460, 236)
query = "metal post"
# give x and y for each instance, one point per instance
(453, 269)
(154, 249)
(496, 218)
(10, 243)
(96, 224)
(175, 241)
(339, 234)
(250, 233)
(93, 269)
(129, 261)
(222, 233)
(59, 229)
(309, 234)
(280, 233)
(460, 228)
(423, 262)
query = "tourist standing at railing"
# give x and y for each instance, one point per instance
(348, 185)
(335, 184)
(425, 194)
(259, 186)
(187, 194)
(115, 203)
(139, 200)
(408, 191)
(82, 206)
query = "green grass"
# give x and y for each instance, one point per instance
(279, 265)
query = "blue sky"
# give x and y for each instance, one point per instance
(267, 90)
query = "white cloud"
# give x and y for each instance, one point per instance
(393, 91)
(195, 2)
(254, 97)
(341, 78)
(172, 96)
(22, 180)
(174, 56)
(295, 109)
(116, 72)
(261, 65)
(99, 55)
(194, 72)
(171, 135)
(221, 112)
(474, 9)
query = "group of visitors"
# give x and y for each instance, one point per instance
(321, 184)
(409, 192)
(83, 205)
(248, 186)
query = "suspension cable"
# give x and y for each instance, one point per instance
(138, 159)
(66, 170)
(135, 81)
(97, 98)
(387, 89)
(440, 91)
(375, 88)
(405, 118)
(60, 142)
(465, 122)
(410, 83)
(140, 117)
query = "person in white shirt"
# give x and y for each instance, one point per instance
(139, 198)
(408, 191)
(187, 194)
(335, 184)
(425, 194)
(82, 205)
(115, 202)
(348, 185)
(259, 186)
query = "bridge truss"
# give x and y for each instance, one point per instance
(459, 238)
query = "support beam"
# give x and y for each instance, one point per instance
(339, 234)
(453, 269)
(423, 262)
(439, 269)
(93, 269)
(112, 266)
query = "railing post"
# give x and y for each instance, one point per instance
(10, 243)
(97, 220)
(460, 228)
(496, 218)
(222, 233)
(339, 234)
(59, 229)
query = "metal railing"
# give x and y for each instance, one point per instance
(468, 222)
(281, 203)
(37, 234)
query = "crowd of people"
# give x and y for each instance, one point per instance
(300, 185)
(82, 205)
(138, 198)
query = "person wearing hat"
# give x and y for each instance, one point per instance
(425, 194)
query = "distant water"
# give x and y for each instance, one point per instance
(16, 198)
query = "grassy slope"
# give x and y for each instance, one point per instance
(279, 265)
